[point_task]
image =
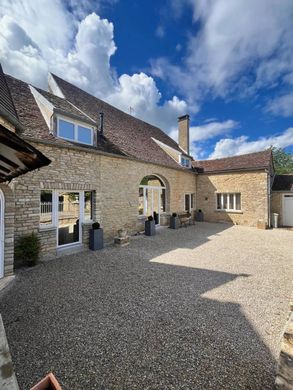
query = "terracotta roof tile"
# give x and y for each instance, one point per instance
(133, 136)
(33, 121)
(283, 183)
(251, 161)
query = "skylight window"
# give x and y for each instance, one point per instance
(74, 131)
(185, 162)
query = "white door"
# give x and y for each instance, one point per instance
(1, 234)
(288, 210)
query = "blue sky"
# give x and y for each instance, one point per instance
(227, 63)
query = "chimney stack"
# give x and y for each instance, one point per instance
(183, 130)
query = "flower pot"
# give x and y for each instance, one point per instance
(122, 233)
(150, 228)
(174, 222)
(199, 216)
(96, 239)
(47, 383)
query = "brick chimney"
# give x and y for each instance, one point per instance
(183, 129)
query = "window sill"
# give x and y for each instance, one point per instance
(47, 228)
(230, 211)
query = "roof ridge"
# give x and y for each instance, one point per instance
(237, 155)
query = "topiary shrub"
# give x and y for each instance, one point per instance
(96, 225)
(150, 218)
(174, 215)
(27, 251)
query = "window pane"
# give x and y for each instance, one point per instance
(238, 201)
(66, 129)
(187, 206)
(219, 201)
(46, 207)
(192, 201)
(231, 201)
(140, 201)
(163, 200)
(84, 135)
(225, 199)
(88, 206)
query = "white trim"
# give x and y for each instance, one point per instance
(41, 103)
(52, 83)
(76, 124)
(2, 233)
(189, 195)
(234, 210)
(283, 204)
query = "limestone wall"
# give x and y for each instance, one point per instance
(115, 182)
(276, 205)
(8, 229)
(253, 187)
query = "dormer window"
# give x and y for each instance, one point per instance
(74, 131)
(185, 162)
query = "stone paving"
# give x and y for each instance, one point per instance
(201, 307)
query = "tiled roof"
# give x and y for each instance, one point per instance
(63, 106)
(133, 136)
(7, 108)
(283, 183)
(251, 161)
(33, 121)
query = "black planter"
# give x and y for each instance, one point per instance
(199, 216)
(150, 228)
(96, 239)
(174, 222)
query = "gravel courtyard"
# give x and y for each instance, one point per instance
(202, 307)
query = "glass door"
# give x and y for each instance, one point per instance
(68, 218)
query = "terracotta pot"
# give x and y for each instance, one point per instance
(47, 383)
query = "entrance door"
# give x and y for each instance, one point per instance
(1, 234)
(68, 218)
(153, 203)
(288, 210)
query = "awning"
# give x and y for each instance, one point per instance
(17, 156)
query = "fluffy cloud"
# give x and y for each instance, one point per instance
(282, 105)
(241, 46)
(241, 145)
(80, 51)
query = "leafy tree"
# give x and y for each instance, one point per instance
(283, 161)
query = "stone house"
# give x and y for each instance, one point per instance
(282, 199)
(111, 167)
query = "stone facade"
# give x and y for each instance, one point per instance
(8, 229)
(114, 180)
(253, 187)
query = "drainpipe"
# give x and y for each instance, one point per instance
(101, 124)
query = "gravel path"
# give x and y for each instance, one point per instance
(198, 308)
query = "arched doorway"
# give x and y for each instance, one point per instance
(1, 234)
(152, 197)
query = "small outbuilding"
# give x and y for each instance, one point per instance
(282, 199)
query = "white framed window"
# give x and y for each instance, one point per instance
(185, 162)
(74, 131)
(189, 202)
(228, 201)
(51, 206)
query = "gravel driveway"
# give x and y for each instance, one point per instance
(198, 308)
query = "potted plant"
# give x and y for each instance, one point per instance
(150, 226)
(199, 216)
(174, 221)
(96, 237)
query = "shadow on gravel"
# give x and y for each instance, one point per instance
(115, 320)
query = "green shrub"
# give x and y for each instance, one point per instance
(27, 250)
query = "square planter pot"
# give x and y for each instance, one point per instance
(96, 239)
(199, 216)
(174, 222)
(150, 228)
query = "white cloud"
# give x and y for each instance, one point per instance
(160, 31)
(241, 145)
(79, 51)
(282, 105)
(241, 46)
